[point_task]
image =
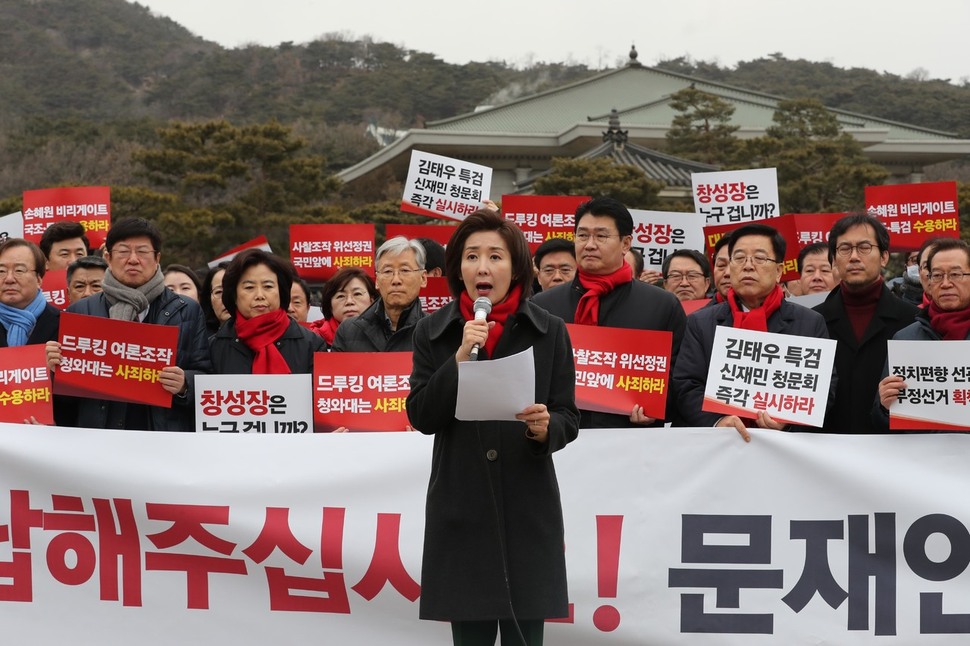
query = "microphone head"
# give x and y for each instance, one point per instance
(482, 304)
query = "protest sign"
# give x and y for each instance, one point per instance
(435, 294)
(812, 227)
(253, 404)
(88, 205)
(259, 242)
(54, 285)
(914, 213)
(656, 234)
(318, 251)
(117, 360)
(736, 195)
(12, 226)
(617, 369)
(25, 384)
(543, 217)
(937, 377)
(785, 225)
(362, 391)
(439, 233)
(783, 375)
(442, 187)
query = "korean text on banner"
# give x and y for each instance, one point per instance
(253, 404)
(736, 195)
(783, 375)
(435, 295)
(362, 391)
(543, 217)
(55, 288)
(613, 376)
(318, 251)
(25, 384)
(937, 393)
(442, 187)
(914, 213)
(657, 234)
(88, 205)
(117, 360)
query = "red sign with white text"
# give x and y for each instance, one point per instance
(117, 360)
(785, 225)
(914, 213)
(25, 385)
(439, 233)
(435, 295)
(542, 217)
(89, 205)
(613, 377)
(318, 251)
(813, 227)
(362, 391)
(54, 285)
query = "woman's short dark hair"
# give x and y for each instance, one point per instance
(205, 296)
(486, 220)
(194, 277)
(250, 258)
(340, 280)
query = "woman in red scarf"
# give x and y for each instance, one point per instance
(946, 318)
(260, 338)
(348, 293)
(493, 545)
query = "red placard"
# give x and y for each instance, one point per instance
(363, 391)
(785, 225)
(117, 360)
(435, 294)
(612, 377)
(25, 385)
(54, 285)
(813, 227)
(693, 305)
(89, 205)
(914, 213)
(259, 242)
(441, 234)
(542, 217)
(318, 251)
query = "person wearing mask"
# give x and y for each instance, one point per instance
(493, 544)
(861, 314)
(260, 338)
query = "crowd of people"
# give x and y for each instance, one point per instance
(249, 316)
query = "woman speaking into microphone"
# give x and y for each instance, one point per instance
(493, 543)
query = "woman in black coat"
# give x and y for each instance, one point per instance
(493, 545)
(260, 338)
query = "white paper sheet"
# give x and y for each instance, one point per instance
(497, 389)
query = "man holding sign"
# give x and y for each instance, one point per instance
(134, 290)
(605, 294)
(754, 302)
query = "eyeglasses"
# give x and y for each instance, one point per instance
(846, 249)
(953, 276)
(760, 260)
(403, 272)
(677, 276)
(583, 237)
(550, 271)
(123, 253)
(18, 272)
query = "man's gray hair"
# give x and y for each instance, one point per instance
(398, 245)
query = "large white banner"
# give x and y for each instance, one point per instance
(673, 536)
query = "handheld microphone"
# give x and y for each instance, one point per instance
(482, 307)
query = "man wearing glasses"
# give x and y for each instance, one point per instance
(754, 302)
(133, 289)
(861, 313)
(687, 274)
(555, 262)
(604, 293)
(387, 325)
(26, 317)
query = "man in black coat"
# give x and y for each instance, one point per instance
(861, 313)
(605, 293)
(26, 317)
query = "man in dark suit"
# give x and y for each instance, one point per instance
(26, 317)
(605, 293)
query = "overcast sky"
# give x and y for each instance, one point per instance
(894, 36)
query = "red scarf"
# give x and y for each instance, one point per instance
(260, 334)
(500, 312)
(325, 328)
(588, 309)
(756, 319)
(952, 326)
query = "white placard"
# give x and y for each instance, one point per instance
(937, 377)
(657, 234)
(443, 187)
(253, 403)
(12, 226)
(784, 375)
(731, 196)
